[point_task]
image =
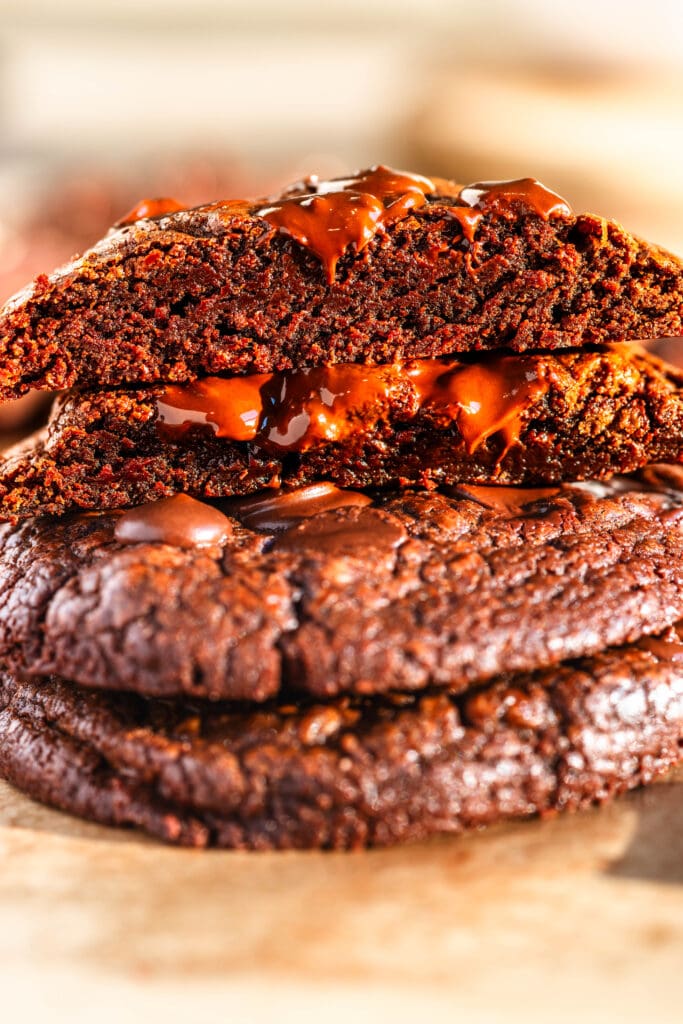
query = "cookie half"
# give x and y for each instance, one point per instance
(525, 419)
(353, 771)
(378, 267)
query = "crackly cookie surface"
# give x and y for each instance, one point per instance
(378, 267)
(526, 419)
(331, 591)
(353, 771)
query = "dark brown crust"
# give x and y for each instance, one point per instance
(211, 291)
(604, 412)
(468, 593)
(349, 773)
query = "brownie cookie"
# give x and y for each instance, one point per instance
(354, 771)
(331, 591)
(526, 419)
(376, 268)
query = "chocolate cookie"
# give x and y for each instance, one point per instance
(330, 592)
(525, 419)
(353, 771)
(377, 268)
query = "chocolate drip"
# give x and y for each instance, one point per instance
(331, 217)
(483, 398)
(328, 403)
(180, 520)
(531, 192)
(150, 208)
(231, 407)
(476, 197)
(305, 409)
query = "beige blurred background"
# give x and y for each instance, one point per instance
(102, 103)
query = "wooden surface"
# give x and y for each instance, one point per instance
(532, 922)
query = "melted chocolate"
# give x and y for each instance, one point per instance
(531, 192)
(483, 398)
(181, 521)
(507, 499)
(150, 208)
(660, 475)
(304, 409)
(284, 509)
(644, 480)
(327, 403)
(337, 535)
(331, 217)
(232, 407)
(528, 191)
(666, 647)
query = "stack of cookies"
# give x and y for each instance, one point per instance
(357, 518)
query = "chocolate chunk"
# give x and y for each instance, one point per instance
(280, 510)
(358, 533)
(181, 521)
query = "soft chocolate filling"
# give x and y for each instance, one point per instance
(304, 409)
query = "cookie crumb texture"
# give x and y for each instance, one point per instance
(351, 772)
(220, 290)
